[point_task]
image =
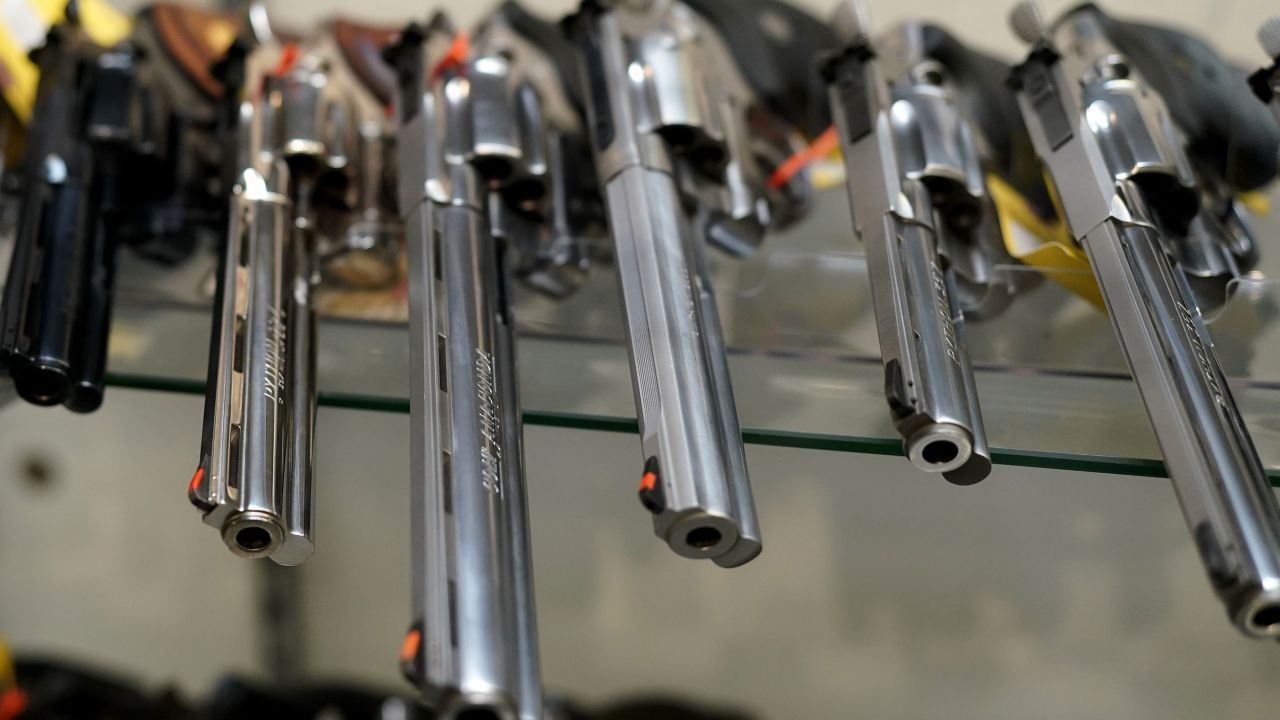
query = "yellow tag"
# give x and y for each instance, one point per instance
(1256, 202)
(221, 33)
(23, 26)
(1046, 246)
(828, 172)
(8, 678)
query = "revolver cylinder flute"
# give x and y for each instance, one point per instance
(917, 193)
(472, 157)
(666, 110)
(1125, 183)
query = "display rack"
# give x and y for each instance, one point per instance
(804, 358)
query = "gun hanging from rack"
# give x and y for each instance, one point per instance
(117, 153)
(685, 163)
(1144, 152)
(922, 210)
(307, 144)
(490, 190)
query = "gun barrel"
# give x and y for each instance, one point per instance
(43, 285)
(475, 650)
(469, 519)
(702, 505)
(929, 382)
(1221, 484)
(57, 300)
(254, 479)
(695, 479)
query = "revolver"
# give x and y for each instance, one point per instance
(358, 231)
(304, 134)
(57, 301)
(117, 154)
(678, 135)
(921, 208)
(1138, 156)
(481, 163)
(561, 222)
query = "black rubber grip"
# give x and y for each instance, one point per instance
(550, 39)
(581, 28)
(1207, 97)
(1260, 83)
(777, 46)
(405, 57)
(983, 93)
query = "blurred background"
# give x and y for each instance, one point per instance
(1229, 24)
(882, 592)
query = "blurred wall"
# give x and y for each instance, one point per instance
(1229, 24)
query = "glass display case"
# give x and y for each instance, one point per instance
(798, 320)
(1063, 586)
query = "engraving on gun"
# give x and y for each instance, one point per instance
(669, 108)
(1133, 199)
(918, 200)
(490, 423)
(1203, 357)
(273, 362)
(944, 314)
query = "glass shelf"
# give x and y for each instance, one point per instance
(804, 356)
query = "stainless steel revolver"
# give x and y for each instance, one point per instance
(669, 120)
(1133, 193)
(306, 140)
(474, 160)
(920, 206)
(253, 481)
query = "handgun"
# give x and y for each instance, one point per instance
(473, 159)
(117, 154)
(560, 223)
(57, 301)
(303, 134)
(676, 132)
(253, 481)
(359, 235)
(1130, 125)
(921, 208)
